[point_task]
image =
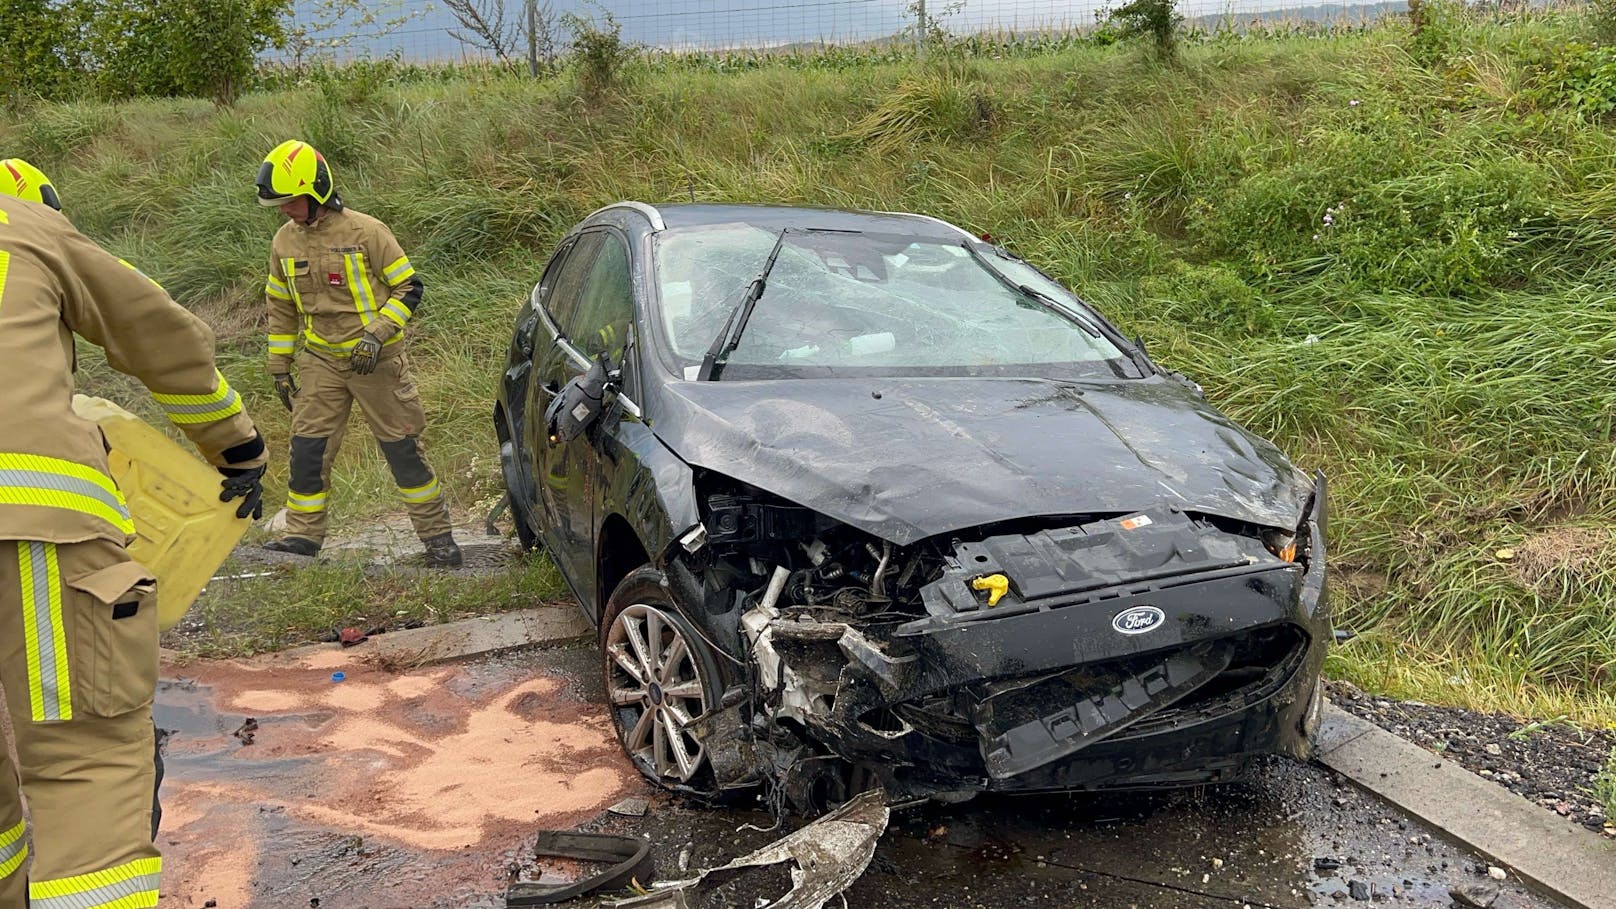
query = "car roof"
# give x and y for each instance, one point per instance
(776, 217)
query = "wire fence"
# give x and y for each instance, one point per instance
(428, 31)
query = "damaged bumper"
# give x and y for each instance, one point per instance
(1082, 676)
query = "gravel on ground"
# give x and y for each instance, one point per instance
(1553, 764)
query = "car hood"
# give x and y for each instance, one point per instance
(905, 459)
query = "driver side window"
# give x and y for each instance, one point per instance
(600, 325)
(561, 302)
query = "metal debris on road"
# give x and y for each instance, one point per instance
(247, 731)
(829, 854)
(630, 858)
(630, 807)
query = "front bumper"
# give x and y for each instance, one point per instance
(1054, 697)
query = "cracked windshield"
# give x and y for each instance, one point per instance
(839, 301)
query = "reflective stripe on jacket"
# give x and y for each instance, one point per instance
(54, 282)
(331, 282)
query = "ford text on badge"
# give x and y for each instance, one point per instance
(1138, 620)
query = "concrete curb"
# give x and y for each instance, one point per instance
(1543, 849)
(460, 640)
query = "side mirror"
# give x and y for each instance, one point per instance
(580, 403)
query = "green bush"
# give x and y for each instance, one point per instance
(42, 52)
(1208, 298)
(129, 48)
(1383, 222)
(1602, 21)
(1157, 21)
(599, 53)
(1438, 28)
(1572, 76)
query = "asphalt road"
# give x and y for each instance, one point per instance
(421, 789)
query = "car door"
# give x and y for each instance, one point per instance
(532, 333)
(600, 324)
(562, 471)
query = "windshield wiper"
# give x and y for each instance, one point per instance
(1135, 351)
(724, 345)
(1059, 307)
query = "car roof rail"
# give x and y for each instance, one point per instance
(650, 213)
(953, 227)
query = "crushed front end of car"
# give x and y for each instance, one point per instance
(1149, 649)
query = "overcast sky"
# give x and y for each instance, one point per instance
(728, 23)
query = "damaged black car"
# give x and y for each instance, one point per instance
(858, 499)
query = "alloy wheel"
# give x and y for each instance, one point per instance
(656, 689)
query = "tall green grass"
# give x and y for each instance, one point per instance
(1394, 257)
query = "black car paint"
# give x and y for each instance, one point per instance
(937, 455)
(1117, 446)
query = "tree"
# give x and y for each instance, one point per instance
(1156, 20)
(43, 49)
(483, 24)
(599, 51)
(328, 26)
(204, 48)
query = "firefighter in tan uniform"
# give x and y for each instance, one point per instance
(78, 617)
(340, 283)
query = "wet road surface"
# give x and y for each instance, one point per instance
(421, 789)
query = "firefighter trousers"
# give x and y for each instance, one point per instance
(392, 406)
(78, 661)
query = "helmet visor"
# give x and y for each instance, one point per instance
(267, 196)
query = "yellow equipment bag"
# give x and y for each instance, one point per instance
(183, 533)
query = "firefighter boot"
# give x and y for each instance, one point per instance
(443, 552)
(295, 545)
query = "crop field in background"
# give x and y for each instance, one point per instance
(1393, 253)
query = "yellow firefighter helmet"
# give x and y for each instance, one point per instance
(25, 181)
(295, 169)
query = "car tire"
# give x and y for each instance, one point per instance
(521, 518)
(659, 674)
(526, 537)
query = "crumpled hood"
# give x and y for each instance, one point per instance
(905, 459)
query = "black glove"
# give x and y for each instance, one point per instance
(365, 354)
(246, 484)
(286, 387)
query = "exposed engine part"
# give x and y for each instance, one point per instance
(878, 585)
(777, 584)
(694, 539)
(832, 680)
(1156, 545)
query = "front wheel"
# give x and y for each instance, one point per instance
(659, 676)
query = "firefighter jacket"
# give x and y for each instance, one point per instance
(54, 282)
(334, 280)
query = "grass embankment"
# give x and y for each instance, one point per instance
(255, 610)
(1391, 254)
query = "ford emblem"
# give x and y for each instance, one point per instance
(1139, 620)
